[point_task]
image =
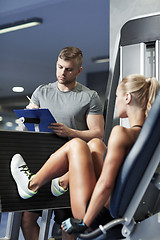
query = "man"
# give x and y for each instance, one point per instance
(78, 113)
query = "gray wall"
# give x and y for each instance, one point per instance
(97, 81)
(123, 10)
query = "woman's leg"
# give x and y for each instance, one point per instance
(97, 149)
(82, 178)
(54, 167)
(73, 156)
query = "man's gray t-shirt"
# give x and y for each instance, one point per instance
(69, 108)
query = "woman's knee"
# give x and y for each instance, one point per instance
(77, 147)
(76, 143)
(95, 144)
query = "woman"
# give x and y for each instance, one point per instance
(135, 95)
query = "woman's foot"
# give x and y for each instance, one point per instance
(56, 189)
(22, 176)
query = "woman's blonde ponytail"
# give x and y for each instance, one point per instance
(153, 87)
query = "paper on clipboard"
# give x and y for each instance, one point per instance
(42, 114)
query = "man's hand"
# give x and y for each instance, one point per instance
(61, 129)
(31, 106)
(72, 225)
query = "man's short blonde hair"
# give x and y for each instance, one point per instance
(69, 53)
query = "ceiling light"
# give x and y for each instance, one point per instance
(20, 25)
(17, 89)
(9, 124)
(100, 59)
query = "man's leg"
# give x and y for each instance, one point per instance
(66, 236)
(29, 225)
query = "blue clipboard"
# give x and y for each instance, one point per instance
(40, 116)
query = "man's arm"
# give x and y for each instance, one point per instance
(95, 125)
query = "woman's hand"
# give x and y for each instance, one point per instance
(72, 225)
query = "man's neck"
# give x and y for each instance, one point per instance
(66, 87)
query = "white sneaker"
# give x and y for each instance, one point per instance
(56, 189)
(22, 176)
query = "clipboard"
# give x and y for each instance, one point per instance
(36, 119)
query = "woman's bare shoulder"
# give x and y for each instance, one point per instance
(120, 135)
(119, 130)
